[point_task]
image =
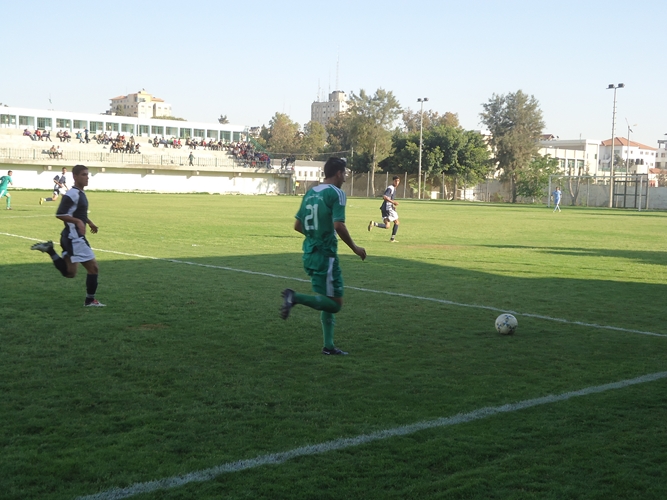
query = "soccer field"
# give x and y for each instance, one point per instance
(189, 385)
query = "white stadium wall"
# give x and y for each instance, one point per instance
(155, 180)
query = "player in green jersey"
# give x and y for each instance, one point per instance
(5, 180)
(320, 218)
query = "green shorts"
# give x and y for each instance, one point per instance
(3, 192)
(325, 274)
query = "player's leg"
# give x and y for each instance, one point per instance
(9, 200)
(63, 264)
(91, 283)
(394, 231)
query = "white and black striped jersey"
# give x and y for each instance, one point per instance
(390, 192)
(75, 204)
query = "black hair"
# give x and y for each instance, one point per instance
(78, 169)
(395, 177)
(333, 166)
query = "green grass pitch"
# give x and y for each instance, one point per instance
(189, 367)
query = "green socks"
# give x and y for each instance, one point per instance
(328, 322)
(318, 302)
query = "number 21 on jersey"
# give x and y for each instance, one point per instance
(310, 221)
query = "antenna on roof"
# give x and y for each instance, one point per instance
(337, 68)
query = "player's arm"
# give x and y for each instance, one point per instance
(93, 227)
(298, 226)
(341, 230)
(389, 200)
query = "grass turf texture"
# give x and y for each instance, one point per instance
(190, 367)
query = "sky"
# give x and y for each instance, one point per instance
(249, 60)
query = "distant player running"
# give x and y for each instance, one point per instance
(320, 218)
(5, 180)
(73, 211)
(59, 186)
(388, 210)
(557, 196)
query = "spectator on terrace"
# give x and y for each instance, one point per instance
(47, 135)
(30, 134)
(191, 158)
(59, 152)
(38, 133)
(79, 136)
(53, 152)
(86, 137)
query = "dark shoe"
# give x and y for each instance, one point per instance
(288, 303)
(333, 352)
(46, 246)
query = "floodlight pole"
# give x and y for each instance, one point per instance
(421, 100)
(613, 130)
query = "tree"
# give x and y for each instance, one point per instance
(339, 133)
(532, 180)
(314, 139)
(411, 120)
(515, 122)
(458, 154)
(371, 120)
(282, 136)
(223, 119)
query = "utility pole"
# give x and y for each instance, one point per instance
(421, 100)
(613, 140)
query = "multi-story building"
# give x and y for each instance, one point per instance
(637, 158)
(323, 111)
(575, 156)
(141, 105)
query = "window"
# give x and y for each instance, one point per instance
(237, 136)
(561, 164)
(199, 132)
(657, 164)
(8, 119)
(212, 134)
(127, 127)
(580, 165)
(44, 122)
(63, 123)
(186, 132)
(157, 130)
(143, 130)
(80, 124)
(96, 126)
(570, 165)
(225, 135)
(172, 131)
(29, 121)
(112, 127)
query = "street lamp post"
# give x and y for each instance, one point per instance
(421, 100)
(613, 140)
(627, 156)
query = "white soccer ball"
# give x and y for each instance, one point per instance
(506, 324)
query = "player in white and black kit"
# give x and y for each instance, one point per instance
(388, 210)
(73, 211)
(59, 186)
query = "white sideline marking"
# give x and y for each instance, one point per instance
(339, 444)
(26, 217)
(384, 292)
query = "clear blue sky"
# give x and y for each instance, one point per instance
(249, 60)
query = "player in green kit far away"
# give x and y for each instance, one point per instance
(320, 218)
(5, 181)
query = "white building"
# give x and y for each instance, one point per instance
(141, 105)
(575, 156)
(637, 158)
(49, 119)
(323, 111)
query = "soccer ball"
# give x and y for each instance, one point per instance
(506, 324)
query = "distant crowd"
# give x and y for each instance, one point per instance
(243, 151)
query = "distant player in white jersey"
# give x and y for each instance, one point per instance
(388, 210)
(59, 186)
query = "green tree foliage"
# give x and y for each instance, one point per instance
(223, 119)
(411, 120)
(313, 141)
(457, 153)
(282, 136)
(515, 122)
(534, 178)
(339, 133)
(372, 118)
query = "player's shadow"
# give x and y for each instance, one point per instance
(646, 257)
